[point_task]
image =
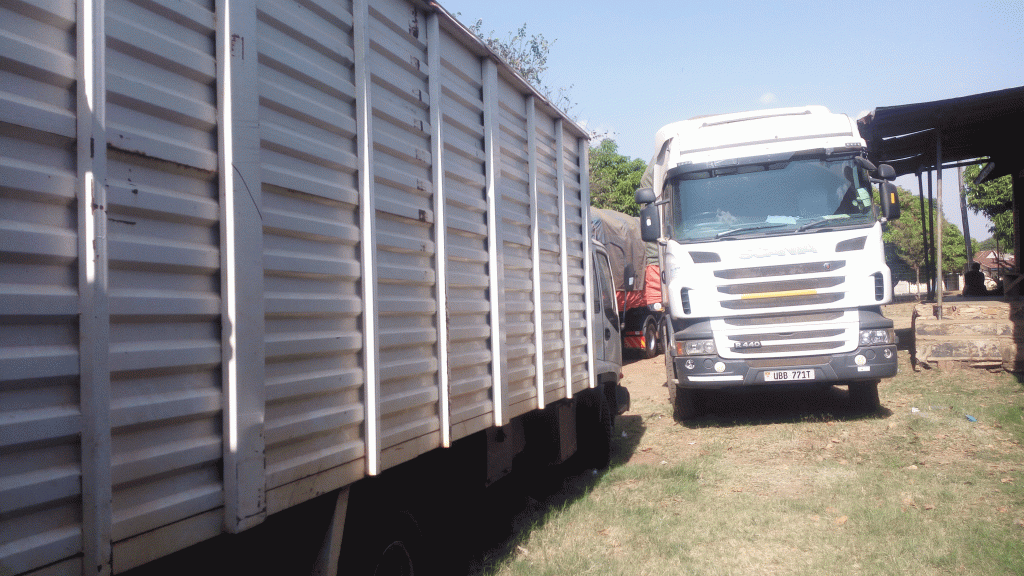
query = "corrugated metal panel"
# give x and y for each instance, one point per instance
(550, 262)
(40, 417)
(517, 246)
(165, 280)
(314, 336)
(407, 310)
(466, 224)
(577, 221)
(199, 317)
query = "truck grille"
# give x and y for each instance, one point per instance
(765, 363)
(802, 347)
(830, 339)
(777, 335)
(825, 316)
(783, 286)
(801, 291)
(783, 301)
(783, 270)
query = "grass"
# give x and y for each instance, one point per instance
(800, 485)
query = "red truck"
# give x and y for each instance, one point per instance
(637, 277)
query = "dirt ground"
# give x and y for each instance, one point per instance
(773, 412)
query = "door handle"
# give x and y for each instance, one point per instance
(607, 333)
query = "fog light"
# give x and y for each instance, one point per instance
(860, 360)
(689, 364)
(887, 353)
(719, 367)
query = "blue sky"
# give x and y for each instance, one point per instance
(632, 68)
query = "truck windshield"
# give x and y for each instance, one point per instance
(798, 196)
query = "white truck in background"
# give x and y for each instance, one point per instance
(305, 275)
(771, 252)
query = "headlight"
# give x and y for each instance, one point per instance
(873, 337)
(695, 347)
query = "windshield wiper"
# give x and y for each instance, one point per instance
(822, 222)
(735, 231)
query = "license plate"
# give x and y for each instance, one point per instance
(787, 375)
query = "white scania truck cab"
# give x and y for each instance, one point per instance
(771, 250)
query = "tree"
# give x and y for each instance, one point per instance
(994, 199)
(614, 178)
(982, 245)
(953, 259)
(528, 55)
(992, 243)
(906, 237)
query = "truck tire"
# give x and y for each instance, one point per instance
(387, 545)
(651, 343)
(864, 396)
(594, 427)
(684, 403)
(688, 403)
(670, 370)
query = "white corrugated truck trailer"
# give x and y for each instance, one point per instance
(259, 257)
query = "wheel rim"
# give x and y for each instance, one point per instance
(395, 561)
(650, 338)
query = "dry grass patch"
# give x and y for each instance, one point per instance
(800, 484)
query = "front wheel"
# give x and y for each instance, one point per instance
(864, 396)
(687, 403)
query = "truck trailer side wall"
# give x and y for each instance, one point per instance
(252, 252)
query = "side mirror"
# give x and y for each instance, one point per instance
(650, 222)
(864, 163)
(890, 200)
(886, 172)
(644, 196)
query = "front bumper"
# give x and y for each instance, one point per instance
(715, 372)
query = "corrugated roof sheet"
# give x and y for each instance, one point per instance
(989, 124)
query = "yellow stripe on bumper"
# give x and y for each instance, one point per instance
(778, 294)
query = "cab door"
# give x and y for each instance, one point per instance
(606, 329)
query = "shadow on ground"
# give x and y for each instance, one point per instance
(753, 407)
(521, 504)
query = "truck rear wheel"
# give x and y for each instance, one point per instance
(388, 544)
(651, 345)
(594, 427)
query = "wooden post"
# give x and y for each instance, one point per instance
(938, 227)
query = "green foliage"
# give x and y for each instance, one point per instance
(992, 243)
(953, 259)
(614, 178)
(994, 199)
(528, 55)
(906, 236)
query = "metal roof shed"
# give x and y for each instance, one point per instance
(914, 138)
